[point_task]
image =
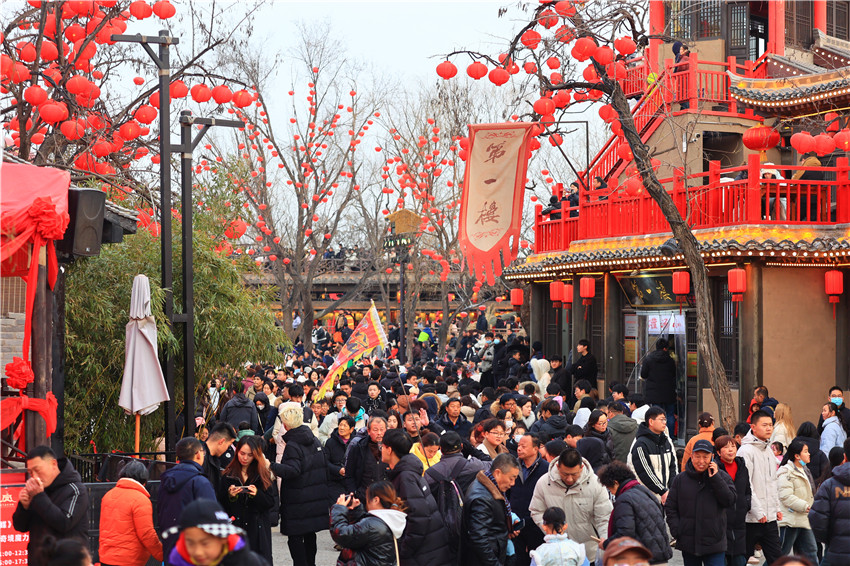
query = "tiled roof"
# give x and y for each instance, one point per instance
(815, 248)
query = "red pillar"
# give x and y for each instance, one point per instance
(819, 16)
(656, 27)
(776, 27)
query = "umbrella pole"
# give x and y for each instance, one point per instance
(138, 431)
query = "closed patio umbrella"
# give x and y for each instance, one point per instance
(143, 386)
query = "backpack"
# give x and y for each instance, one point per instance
(449, 500)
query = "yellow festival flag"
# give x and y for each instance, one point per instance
(368, 335)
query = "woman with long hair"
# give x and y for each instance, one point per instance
(783, 427)
(796, 494)
(833, 432)
(247, 493)
(368, 538)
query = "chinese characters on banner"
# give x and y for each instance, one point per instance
(665, 323)
(13, 545)
(493, 196)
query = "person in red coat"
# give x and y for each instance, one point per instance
(127, 536)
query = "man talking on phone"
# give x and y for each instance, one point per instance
(696, 508)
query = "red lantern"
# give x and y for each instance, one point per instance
(834, 287)
(737, 285)
(544, 106)
(824, 145)
(499, 76)
(842, 140)
(446, 70)
(761, 138)
(803, 142)
(556, 293)
(516, 299)
(477, 70)
(530, 39)
(681, 286)
(587, 290)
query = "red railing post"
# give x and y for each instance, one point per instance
(562, 225)
(753, 198)
(842, 190)
(713, 193)
(733, 105)
(538, 231)
(644, 202)
(679, 191)
(672, 83)
(693, 84)
(582, 220)
(748, 68)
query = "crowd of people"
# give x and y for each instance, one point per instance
(500, 456)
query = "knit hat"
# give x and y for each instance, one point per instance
(208, 516)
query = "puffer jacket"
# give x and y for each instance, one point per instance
(659, 371)
(606, 439)
(425, 538)
(178, 487)
(695, 510)
(552, 428)
(638, 514)
(368, 535)
(61, 510)
(761, 464)
(623, 430)
(833, 435)
(485, 524)
(335, 449)
(558, 550)
(736, 516)
(586, 504)
(362, 468)
(239, 409)
(304, 489)
(795, 496)
(653, 459)
(127, 535)
(830, 515)
(818, 461)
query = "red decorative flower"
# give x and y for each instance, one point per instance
(19, 373)
(49, 223)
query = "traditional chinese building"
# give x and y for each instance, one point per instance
(777, 245)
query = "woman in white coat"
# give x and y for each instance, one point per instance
(796, 495)
(833, 430)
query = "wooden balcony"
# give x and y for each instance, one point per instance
(711, 199)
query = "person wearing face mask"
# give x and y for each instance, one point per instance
(796, 494)
(836, 395)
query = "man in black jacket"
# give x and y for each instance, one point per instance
(363, 465)
(487, 514)
(653, 457)
(696, 508)
(585, 367)
(532, 468)
(560, 375)
(454, 420)
(551, 424)
(240, 409)
(425, 538)
(54, 502)
(659, 371)
(221, 437)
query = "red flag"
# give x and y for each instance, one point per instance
(493, 196)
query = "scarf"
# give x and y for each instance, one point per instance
(507, 503)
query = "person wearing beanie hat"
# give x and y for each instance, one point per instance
(206, 537)
(696, 507)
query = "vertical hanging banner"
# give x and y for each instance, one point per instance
(493, 196)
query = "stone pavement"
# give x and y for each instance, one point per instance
(327, 555)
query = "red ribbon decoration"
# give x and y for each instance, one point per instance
(11, 407)
(19, 373)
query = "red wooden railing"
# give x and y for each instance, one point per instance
(706, 201)
(705, 82)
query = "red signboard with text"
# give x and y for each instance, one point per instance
(13, 544)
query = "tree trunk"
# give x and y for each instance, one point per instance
(706, 345)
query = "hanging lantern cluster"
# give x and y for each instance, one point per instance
(681, 287)
(834, 280)
(737, 286)
(587, 290)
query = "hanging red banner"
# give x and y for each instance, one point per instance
(493, 196)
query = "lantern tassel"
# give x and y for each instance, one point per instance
(586, 303)
(834, 300)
